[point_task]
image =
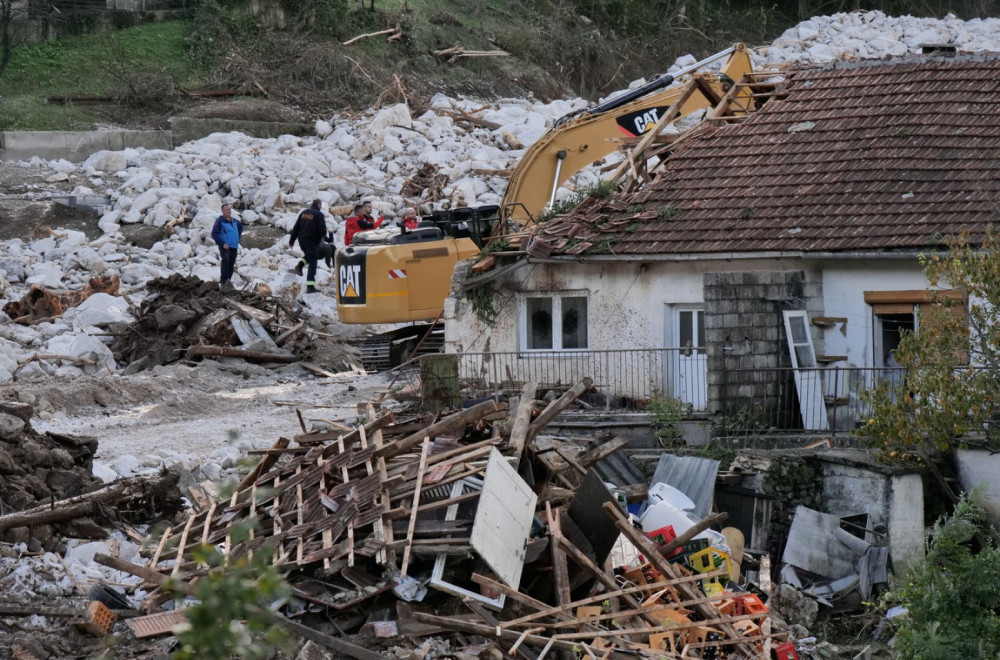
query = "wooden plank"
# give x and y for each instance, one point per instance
(553, 409)
(546, 611)
(916, 296)
(560, 571)
(264, 464)
(602, 577)
(448, 426)
(522, 420)
(601, 452)
(415, 506)
(492, 632)
(181, 547)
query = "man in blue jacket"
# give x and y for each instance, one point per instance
(226, 232)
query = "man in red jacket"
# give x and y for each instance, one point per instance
(360, 220)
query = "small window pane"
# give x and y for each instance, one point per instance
(574, 322)
(798, 326)
(700, 339)
(804, 355)
(539, 311)
(686, 329)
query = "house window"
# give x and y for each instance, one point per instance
(554, 323)
(897, 313)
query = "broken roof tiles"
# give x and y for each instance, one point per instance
(857, 157)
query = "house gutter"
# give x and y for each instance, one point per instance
(729, 256)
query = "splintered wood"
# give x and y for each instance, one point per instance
(394, 505)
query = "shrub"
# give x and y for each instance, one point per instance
(950, 598)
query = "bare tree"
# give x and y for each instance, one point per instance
(6, 33)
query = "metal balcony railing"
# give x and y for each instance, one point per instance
(623, 379)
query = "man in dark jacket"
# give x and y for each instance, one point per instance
(226, 233)
(310, 230)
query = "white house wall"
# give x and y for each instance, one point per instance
(626, 301)
(844, 285)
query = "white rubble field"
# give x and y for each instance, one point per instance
(270, 180)
(187, 420)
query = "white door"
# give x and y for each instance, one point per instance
(689, 366)
(808, 381)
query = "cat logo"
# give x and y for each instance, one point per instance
(351, 282)
(636, 123)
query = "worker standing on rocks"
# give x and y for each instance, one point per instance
(226, 233)
(310, 230)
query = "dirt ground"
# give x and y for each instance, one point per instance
(192, 410)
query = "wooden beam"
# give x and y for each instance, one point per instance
(553, 409)
(560, 571)
(453, 424)
(601, 452)
(522, 421)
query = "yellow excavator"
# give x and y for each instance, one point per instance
(385, 277)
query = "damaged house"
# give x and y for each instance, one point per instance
(766, 273)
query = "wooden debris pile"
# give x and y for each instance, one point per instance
(453, 525)
(185, 317)
(41, 304)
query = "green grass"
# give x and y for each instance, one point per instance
(32, 113)
(85, 65)
(81, 64)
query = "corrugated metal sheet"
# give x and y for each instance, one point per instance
(619, 470)
(693, 476)
(870, 156)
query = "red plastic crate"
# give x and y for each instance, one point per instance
(665, 535)
(784, 651)
(753, 605)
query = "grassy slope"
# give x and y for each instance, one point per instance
(553, 53)
(83, 65)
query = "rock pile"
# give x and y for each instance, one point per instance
(458, 151)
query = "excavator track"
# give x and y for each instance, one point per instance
(386, 350)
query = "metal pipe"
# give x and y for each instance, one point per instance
(659, 82)
(560, 157)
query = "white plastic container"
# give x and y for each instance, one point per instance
(663, 492)
(664, 513)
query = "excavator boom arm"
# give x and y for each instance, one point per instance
(587, 137)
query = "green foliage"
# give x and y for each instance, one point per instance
(943, 402)
(667, 412)
(950, 598)
(231, 593)
(599, 190)
(666, 212)
(483, 301)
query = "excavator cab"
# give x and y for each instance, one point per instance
(387, 276)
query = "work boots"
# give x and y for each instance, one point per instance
(298, 268)
(311, 289)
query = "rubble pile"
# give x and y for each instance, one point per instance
(185, 316)
(452, 526)
(36, 469)
(455, 151)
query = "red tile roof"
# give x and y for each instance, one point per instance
(857, 157)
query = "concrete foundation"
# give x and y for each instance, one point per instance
(76, 146)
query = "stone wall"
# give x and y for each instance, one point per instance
(745, 340)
